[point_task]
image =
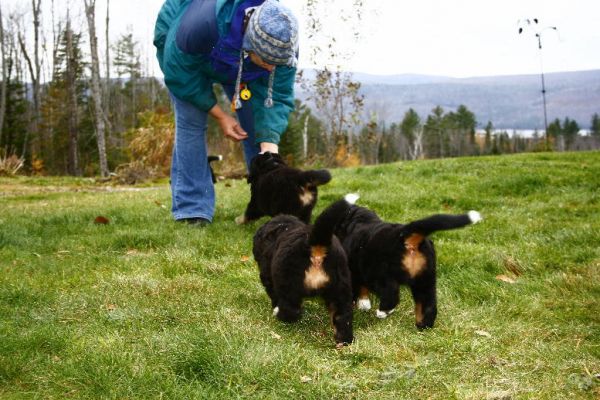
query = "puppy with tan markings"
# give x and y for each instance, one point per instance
(382, 256)
(276, 188)
(297, 260)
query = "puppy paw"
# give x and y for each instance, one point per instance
(341, 345)
(383, 314)
(364, 304)
(240, 220)
(475, 217)
(275, 311)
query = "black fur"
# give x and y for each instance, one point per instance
(297, 260)
(276, 188)
(382, 256)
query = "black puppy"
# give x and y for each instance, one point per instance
(382, 256)
(276, 188)
(297, 260)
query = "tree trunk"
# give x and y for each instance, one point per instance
(107, 54)
(34, 72)
(305, 139)
(73, 159)
(4, 77)
(99, 114)
(109, 130)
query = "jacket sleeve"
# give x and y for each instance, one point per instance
(271, 123)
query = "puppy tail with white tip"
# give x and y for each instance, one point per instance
(325, 223)
(441, 222)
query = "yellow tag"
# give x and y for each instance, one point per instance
(245, 94)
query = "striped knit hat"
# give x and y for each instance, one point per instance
(272, 33)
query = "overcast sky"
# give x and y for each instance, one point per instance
(458, 38)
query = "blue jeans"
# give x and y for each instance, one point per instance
(192, 189)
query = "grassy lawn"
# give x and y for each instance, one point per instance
(143, 307)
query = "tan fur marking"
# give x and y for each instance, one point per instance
(419, 313)
(364, 293)
(306, 197)
(413, 261)
(315, 277)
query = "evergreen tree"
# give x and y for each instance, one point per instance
(61, 107)
(15, 123)
(595, 127)
(487, 144)
(127, 63)
(570, 132)
(554, 133)
(435, 133)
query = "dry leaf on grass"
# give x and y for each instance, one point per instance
(101, 220)
(275, 336)
(506, 278)
(245, 259)
(305, 379)
(483, 333)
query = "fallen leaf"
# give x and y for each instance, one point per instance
(111, 307)
(101, 220)
(275, 336)
(305, 379)
(483, 333)
(499, 395)
(505, 278)
(245, 259)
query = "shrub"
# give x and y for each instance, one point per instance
(10, 165)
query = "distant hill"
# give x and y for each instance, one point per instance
(510, 102)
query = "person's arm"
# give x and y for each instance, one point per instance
(271, 123)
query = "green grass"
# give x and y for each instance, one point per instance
(147, 308)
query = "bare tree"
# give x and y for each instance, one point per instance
(334, 92)
(107, 54)
(99, 115)
(35, 66)
(416, 150)
(4, 77)
(107, 78)
(71, 77)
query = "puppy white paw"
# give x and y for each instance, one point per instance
(475, 217)
(240, 220)
(383, 314)
(275, 311)
(363, 304)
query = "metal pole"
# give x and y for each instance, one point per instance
(539, 36)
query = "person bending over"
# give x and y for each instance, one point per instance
(250, 47)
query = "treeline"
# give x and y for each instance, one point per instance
(57, 116)
(86, 117)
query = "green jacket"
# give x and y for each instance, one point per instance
(190, 75)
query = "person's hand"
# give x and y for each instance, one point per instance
(229, 126)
